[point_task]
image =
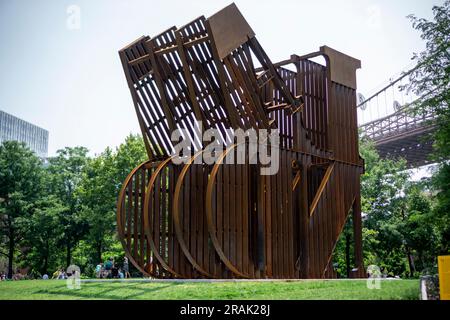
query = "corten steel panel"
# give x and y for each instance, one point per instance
(343, 67)
(229, 29)
(226, 220)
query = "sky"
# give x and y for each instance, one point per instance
(60, 69)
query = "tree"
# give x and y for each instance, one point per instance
(441, 212)
(431, 82)
(431, 78)
(64, 178)
(128, 155)
(20, 187)
(344, 249)
(101, 181)
(42, 230)
(97, 193)
(381, 201)
(418, 228)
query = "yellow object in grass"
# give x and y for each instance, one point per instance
(444, 277)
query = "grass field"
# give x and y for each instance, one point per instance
(299, 290)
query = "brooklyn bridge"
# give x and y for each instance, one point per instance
(388, 118)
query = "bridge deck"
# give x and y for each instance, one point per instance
(403, 134)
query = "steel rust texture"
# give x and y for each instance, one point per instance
(226, 220)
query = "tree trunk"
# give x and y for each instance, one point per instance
(412, 267)
(45, 267)
(11, 253)
(69, 254)
(99, 251)
(347, 254)
(422, 260)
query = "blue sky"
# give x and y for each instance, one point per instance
(70, 81)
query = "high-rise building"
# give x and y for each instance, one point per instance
(13, 128)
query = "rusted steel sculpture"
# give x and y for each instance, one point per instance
(226, 220)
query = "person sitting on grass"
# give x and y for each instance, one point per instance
(62, 275)
(108, 267)
(56, 274)
(126, 269)
(18, 276)
(98, 270)
(114, 272)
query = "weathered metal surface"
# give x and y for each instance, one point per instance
(342, 67)
(229, 29)
(226, 220)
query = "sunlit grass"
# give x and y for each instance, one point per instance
(297, 290)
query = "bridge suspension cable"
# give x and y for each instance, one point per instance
(385, 117)
(386, 101)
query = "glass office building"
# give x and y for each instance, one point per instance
(13, 128)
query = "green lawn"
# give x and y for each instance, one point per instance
(331, 289)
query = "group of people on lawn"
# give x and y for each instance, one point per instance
(109, 270)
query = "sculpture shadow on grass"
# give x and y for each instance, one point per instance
(109, 292)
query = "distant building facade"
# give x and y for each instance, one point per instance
(13, 128)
